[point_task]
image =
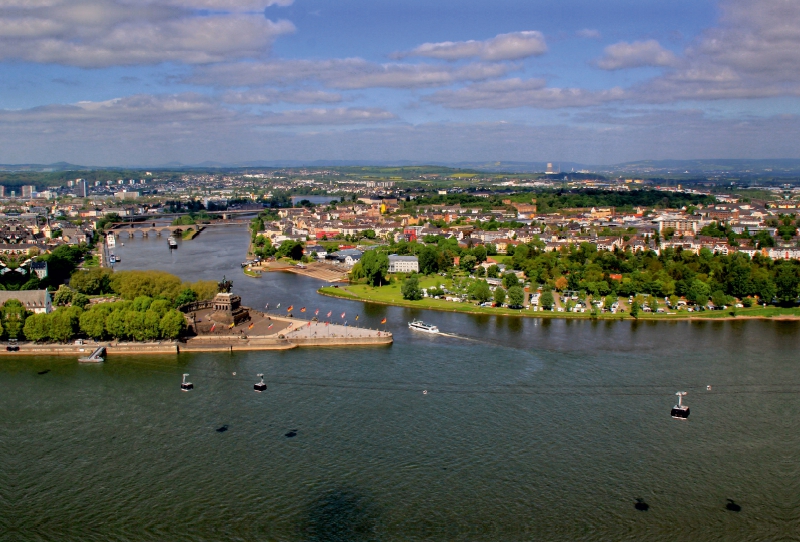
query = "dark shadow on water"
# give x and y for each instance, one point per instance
(732, 506)
(43, 372)
(291, 433)
(641, 506)
(341, 514)
(222, 429)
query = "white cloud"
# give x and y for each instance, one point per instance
(339, 115)
(512, 93)
(176, 111)
(753, 53)
(636, 54)
(272, 96)
(589, 33)
(349, 73)
(512, 46)
(101, 33)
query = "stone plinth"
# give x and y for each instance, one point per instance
(228, 309)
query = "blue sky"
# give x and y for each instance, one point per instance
(146, 82)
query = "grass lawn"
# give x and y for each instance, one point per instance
(391, 295)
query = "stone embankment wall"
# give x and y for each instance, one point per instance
(86, 349)
(342, 341)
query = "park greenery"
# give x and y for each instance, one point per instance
(146, 311)
(674, 274)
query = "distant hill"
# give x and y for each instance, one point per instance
(723, 168)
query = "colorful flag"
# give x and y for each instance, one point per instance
(356, 318)
(213, 326)
(383, 321)
(279, 306)
(231, 326)
(326, 323)
(342, 315)
(309, 324)
(303, 309)
(267, 307)
(289, 309)
(329, 314)
(270, 326)
(316, 312)
(251, 325)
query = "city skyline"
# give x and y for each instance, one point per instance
(109, 82)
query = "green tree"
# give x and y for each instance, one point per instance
(374, 266)
(79, 300)
(499, 296)
(546, 300)
(152, 324)
(115, 324)
(516, 296)
(719, 298)
(428, 260)
(63, 295)
(92, 282)
(173, 324)
(64, 323)
(698, 292)
(13, 317)
(93, 323)
(493, 271)
(468, 262)
(134, 325)
(480, 253)
(480, 290)
(410, 289)
(635, 307)
(160, 307)
(786, 282)
(37, 327)
(510, 280)
(186, 296)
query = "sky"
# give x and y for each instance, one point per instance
(152, 82)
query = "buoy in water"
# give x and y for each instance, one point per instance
(424, 392)
(260, 386)
(186, 386)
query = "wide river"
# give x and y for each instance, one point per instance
(512, 429)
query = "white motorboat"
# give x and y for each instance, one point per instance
(419, 325)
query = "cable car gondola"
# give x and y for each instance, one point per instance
(680, 411)
(260, 386)
(186, 386)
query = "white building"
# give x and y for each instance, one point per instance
(403, 264)
(36, 301)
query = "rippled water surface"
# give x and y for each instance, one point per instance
(529, 430)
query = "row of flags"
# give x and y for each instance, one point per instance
(316, 313)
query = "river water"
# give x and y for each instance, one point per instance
(530, 429)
